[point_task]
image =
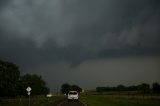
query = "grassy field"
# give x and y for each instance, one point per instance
(116, 100)
(34, 101)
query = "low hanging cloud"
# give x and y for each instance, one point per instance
(78, 30)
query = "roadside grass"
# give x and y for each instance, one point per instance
(114, 100)
(34, 101)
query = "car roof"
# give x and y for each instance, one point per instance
(72, 91)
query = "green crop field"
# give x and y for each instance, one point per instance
(113, 100)
(34, 101)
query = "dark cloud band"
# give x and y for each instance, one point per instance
(78, 30)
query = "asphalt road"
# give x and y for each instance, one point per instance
(71, 103)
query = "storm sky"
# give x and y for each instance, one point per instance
(85, 42)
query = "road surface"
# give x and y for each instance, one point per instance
(71, 103)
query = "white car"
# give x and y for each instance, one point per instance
(49, 95)
(73, 95)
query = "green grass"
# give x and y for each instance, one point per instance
(104, 100)
(34, 101)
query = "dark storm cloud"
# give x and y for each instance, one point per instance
(3, 2)
(44, 31)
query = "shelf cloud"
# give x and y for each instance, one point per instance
(36, 32)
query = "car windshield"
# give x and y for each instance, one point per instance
(72, 93)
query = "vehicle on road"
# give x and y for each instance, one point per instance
(49, 95)
(72, 95)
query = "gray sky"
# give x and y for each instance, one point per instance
(85, 42)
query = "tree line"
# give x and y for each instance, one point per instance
(65, 88)
(142, 88)
(13, 84)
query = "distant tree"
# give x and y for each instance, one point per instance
(20, 88)
(121, 88)
(156, 87)
(65, 88)
(76, 88)
(144, 88)
(36, 82)
(100, 89)
(113, 88)
(132, 88)
(9, 76)
(108, 89)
